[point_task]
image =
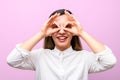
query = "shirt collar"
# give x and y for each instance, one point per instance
(65, 52)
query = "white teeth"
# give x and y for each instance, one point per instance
(62, 37)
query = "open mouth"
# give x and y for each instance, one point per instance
(62, 38)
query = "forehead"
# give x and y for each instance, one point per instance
(62, 18)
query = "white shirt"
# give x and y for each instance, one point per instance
(61, 65)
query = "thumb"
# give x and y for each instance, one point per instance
(69, 30)
(55, 30)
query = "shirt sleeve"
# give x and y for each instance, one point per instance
(22, 59)
(102, 61)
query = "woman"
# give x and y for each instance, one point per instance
(62, 57)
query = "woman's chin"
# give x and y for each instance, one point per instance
(62, 46)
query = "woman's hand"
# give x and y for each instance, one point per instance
(47, 29)
(76, 27)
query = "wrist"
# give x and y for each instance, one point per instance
(81, 33)
(39, 34)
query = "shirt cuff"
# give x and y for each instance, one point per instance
(23, 52)
(105, 52)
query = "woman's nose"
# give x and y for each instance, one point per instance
(62, 31)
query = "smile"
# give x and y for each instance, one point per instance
(62, 38)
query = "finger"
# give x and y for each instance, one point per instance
(52, 18)
(55, 23)
(49, 22)
(68, 30)
(67, 13)
(70, 16)
(55, 30)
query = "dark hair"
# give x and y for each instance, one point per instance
(75, 42)
(61, 11)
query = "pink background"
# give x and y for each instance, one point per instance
(21, 19)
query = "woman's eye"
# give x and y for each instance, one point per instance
(54, 26)
(69, 26)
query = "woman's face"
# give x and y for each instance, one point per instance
(62, 38)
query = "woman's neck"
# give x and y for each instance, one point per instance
(62, 48)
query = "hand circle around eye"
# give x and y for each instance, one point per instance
(54, 26)
(68, 26)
